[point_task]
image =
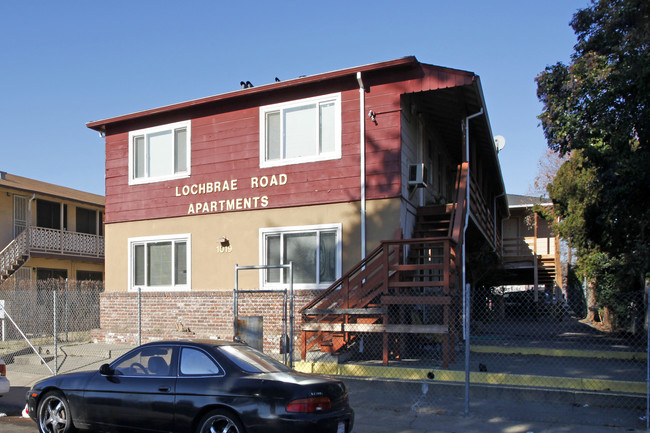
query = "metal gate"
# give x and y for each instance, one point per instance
(250, 328)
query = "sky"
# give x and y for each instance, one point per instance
(66, 63)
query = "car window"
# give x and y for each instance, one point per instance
(196, 362)
(252, 360)
(147, 361)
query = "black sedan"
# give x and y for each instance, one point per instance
(197, 386)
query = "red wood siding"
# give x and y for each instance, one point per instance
(225, 146)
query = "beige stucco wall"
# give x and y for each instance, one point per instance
(71, 266)
(214, 270)
(7, 212)
(6, 217)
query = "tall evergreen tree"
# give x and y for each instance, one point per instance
(596, 110)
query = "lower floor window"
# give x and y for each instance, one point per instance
(160, 263)
(314, 250)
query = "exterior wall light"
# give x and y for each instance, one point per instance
(223, 241)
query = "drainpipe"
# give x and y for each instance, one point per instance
(29, 209)
(362, 151)
(466, 294)
(467, 119)
(494, 216)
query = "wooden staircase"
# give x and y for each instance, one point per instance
(388, 292)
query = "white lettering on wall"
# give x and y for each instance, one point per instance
(216, 206)
(266, 181)
(228, 185)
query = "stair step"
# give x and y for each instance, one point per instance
(435, 210)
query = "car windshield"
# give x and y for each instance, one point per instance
(251, 360)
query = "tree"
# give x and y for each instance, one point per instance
(596, 110)
(547, 167)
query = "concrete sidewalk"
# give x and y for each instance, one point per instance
(386, 406)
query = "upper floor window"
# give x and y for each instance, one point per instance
(86, 220)
(300, 131)
(159, 153)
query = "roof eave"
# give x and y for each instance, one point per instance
(100, 125)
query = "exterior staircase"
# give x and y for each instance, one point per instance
(405, 287)
(46, 242)
(13, 256)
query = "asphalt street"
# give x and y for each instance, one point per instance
(386, 407)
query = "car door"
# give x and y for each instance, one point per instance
(201, 382)
(138, 394)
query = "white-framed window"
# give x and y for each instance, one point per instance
(314, 250)
(160, 153)
(304, 130)
(160, 263)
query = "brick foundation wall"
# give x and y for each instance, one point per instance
(193, 315)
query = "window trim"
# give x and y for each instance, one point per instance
(187, 124)
(263, 232)
(132, 242)
(336, 154)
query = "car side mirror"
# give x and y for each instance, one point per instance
(106, 370)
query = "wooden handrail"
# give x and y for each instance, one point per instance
(383, 259)
(461, 203)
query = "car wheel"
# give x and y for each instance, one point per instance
(54, 414)
(220, 421)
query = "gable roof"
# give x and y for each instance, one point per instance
(397, 64)
(31, 186)
(515, 201)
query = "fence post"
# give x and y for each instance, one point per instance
(56, 357)
(139, 316)
(2, 318)
(66, 310)
(292, 317)
(647, 355)
(466, 328)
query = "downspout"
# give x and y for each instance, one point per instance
(466, 293)
(494, 216)
(467, 119)
(362, 151)
(29, 209)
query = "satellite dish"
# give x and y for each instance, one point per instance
(499, 142)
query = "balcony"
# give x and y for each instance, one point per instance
(46, 242)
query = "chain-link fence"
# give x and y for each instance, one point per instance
(34, 312)
(406, 325)
(537, 345)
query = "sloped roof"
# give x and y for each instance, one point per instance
(515, 200)
(27, 185)
(401, 63)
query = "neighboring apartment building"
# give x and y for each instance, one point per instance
(48, 231)
(531, 251)
(318, 170)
